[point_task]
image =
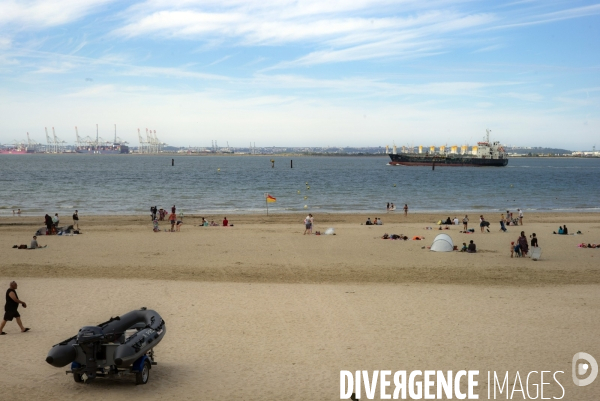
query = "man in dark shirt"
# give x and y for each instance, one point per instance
(76, 220)
(472, 247)
(534, 241)
(10, 308)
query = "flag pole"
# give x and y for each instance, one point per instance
(267, 202)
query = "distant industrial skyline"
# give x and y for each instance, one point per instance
(304, 72)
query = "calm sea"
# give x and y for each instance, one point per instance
(128, 184)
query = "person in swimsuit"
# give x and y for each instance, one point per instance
(10, 308)
(405, 209)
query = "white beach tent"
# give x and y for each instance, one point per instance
(442, 243)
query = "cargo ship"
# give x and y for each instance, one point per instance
(99, 146)
(5, 150)
(485, 154)
(104, 149)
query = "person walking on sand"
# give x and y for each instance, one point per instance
(76, 219)
(55, 221)
(523, 244)
(405, 209)
(312, 222)
(534, 241)
(307, 225)
(10, 308)
(465, 222)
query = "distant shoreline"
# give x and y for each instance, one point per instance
(201, 154)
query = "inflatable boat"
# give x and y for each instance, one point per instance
(122, 345)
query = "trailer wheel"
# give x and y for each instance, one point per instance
(77, 378)
(143, 376)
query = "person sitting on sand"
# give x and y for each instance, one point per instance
(225, 222)
(378, 221)
(213, 224)
(178, 225)
(369, 222)
(472, 248)
(202, 223)
(155, 227)
(385, 236)
(565, 230)
(448, 221)
(455, 221)
(34, 244)
(464, 247)
(560, 231)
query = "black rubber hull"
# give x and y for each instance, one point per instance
(457, 161)
(152, 332)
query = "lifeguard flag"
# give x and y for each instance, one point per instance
(271, 199)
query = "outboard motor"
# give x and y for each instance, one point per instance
(90, 339)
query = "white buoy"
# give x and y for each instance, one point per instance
(298, 192)
(218, 169)
(306, 197)
(306, 206)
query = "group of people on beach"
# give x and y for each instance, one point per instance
(375, 222)
(175, 222)
(391, 207)
(521, 247)
(52, 223)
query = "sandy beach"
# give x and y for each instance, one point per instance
(258, 311)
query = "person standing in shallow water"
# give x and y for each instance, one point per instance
(405, 210)
(10, 308)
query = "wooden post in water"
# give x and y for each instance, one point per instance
(433, 166)
(291, 164)
(172, 162)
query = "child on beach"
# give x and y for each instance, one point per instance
(172, 219)
(464, 247)
(512, 249)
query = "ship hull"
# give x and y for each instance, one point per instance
(445, 161)
(122, 150)
(13, 152)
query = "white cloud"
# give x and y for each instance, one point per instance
(37, 14)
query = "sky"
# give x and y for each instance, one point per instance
(304, 72)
